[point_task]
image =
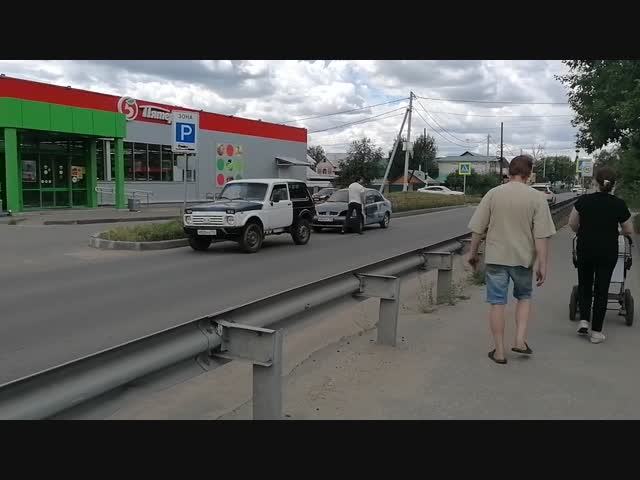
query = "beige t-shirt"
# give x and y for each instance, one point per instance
(512, 215)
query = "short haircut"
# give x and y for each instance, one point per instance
(521, 166)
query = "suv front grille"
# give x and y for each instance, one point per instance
(201, 220)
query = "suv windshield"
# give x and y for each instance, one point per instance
(339, 196)
(244, 191)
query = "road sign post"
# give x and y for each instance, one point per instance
(184, 139)
(464, 169)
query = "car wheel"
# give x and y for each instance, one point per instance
(301, 232)
(199, 243)
(251, 238)
(385, 221)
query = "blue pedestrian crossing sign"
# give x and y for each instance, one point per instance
(464, 168)
(184, 129)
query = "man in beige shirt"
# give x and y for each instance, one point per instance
(517, 222)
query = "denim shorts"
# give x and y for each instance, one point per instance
(497, 278)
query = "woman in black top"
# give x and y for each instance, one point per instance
(596, 218)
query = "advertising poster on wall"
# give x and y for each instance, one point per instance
(229, 163)
(29, 171)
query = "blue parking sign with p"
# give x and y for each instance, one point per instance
(185, 132)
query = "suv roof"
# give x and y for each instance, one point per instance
(267, 181)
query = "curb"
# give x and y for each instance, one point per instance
(96, 242)
(108, 220)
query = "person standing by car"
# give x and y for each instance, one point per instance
(356, 199)
(517, 222)
(596, 218)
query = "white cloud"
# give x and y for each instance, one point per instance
(285, 90)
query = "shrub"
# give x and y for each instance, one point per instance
(152, 232)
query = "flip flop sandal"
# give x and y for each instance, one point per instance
(492, 356)
(528, 351)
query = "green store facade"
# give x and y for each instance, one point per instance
(48, 154)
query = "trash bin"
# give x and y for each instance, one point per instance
(134, 204)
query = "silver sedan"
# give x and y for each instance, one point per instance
(332, 213)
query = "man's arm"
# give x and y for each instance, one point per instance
(478, 226)
(542, 253)
(627, 227)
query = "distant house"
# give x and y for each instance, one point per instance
(332, 165)
(315, 181)
(417, 179)
(479, 163)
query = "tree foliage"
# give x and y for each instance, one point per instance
(477, 184)
(364, 160)
(317, 153)
(605, 95)
(424, 156)
(559, 168)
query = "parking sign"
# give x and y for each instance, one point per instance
(185, 126)
(464, 169)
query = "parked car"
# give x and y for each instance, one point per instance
(546, 189)
(579, 190)
(332, 213)
(439, 191)
(323, 194)
(248, 210)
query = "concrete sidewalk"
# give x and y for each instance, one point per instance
(86, 216)
(440, 369)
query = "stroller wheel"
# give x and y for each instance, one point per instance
(628, 306)
(573, 304)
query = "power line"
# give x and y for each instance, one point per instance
(345, 111)
(503, 116)
(491, 101)
(364, 120)
(443, 137)
(441, 127)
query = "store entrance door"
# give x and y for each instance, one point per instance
(53, 171)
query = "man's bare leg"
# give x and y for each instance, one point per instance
(523, 311)
(496, 320)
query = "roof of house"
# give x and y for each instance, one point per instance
(470, 157)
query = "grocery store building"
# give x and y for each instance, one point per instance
(63, 148)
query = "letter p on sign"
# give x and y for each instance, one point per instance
(185, 132)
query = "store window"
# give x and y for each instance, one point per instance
(152, 162)
(100, 161)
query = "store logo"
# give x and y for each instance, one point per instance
(129, 108)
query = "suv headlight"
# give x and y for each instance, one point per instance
(231, 220)
(187, 219)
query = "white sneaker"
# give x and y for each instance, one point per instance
(597, 337)
(583, 327)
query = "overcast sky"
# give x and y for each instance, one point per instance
(285, 90)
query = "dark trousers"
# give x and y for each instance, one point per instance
(594, 278)
(353, 206)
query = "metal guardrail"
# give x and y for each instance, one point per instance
(129, 193)
(235, 333)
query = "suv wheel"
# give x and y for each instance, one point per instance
(251, 238)
(301, 232)
(199, 243)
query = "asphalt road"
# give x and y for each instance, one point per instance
(56, 309)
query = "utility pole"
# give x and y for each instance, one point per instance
(393, 152)
(501, 150)
(406, 154)
(488, 136)
(425, 158)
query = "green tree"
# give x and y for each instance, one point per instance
(477, 184)
(424, 156)
(364, 161)
(559, 168)
(607, 158)
(605, 95)
(317, 153)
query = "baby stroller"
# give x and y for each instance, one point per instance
(621, 296)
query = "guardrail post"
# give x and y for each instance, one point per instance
(443, 262)
(387, 289)
(263, 348)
